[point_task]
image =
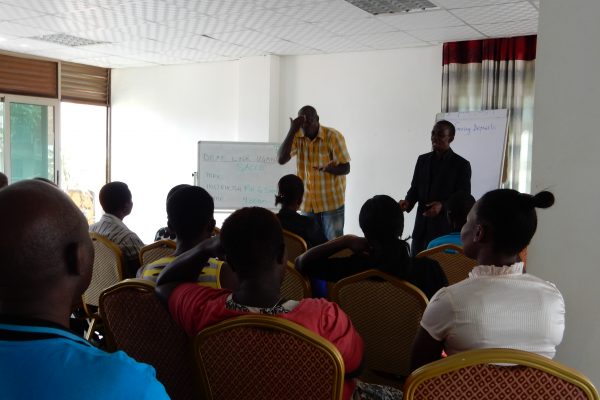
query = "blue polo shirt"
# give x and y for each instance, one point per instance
(48, 362)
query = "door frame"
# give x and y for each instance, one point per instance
(40, 101)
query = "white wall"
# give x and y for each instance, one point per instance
(565, 160)
(384, 103)
(158, 117)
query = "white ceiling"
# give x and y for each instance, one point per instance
(166, 32)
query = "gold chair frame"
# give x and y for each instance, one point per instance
(292, 274)
(290, 238)
(454, 271)
(164, 243)
(267, 322)
(421, 299)
(498, 356)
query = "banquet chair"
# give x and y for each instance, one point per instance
(156, 251)
(106, 271)
(265, 357)
(294, 286)
(294, 245)
(136, 322)
(453, 261)
(495, 374)
(386, 311)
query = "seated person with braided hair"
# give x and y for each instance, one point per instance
(498, 305)
(382, 221)
(291, 191)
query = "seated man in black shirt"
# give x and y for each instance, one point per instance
(382, 221)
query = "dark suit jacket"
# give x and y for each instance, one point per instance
(454, 175)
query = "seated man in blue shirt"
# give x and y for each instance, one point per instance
(458, 206)
(46, 259)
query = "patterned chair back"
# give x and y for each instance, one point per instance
(495, 374)
(136, 322)
(294, 285)
(107, 270)
(256, 357)
(453, 261)
(294, 245)
(156, 251)
(386, 311)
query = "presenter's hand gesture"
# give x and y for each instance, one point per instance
(296, 124)
(404, 205)
(433, 209)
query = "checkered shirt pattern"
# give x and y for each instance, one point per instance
(323, 191)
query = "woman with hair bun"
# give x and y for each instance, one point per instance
(291, 191)
(498, 305)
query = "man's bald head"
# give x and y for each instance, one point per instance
(44, 244)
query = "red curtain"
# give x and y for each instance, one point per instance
(492, 74)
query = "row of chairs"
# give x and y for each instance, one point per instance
(265, 357)
(388, 322)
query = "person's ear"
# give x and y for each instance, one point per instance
(210, 227)
(482, 234)
(451, 139)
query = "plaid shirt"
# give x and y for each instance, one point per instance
(323, 191)
(117, 232)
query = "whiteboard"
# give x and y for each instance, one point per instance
(241, 174)
(481, 139)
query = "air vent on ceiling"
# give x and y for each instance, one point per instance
(376, 7)
(66, 40)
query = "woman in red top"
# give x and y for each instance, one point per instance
(252, 240)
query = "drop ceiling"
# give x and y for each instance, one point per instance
(122, 34)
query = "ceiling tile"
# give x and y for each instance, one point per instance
(24, 44)
(339, 44)
(9, 12)
(113, 62)
(66, 53)
(497, 13)
(284, 47)
(246, 38)
(15, 29)
(421, 20)
(450, 4)
(361, 26)
(204, 25)
(390, 40)
(56, 24)
(303, 34)
(325, 11)
(451, 33)
(260, 19)
(515, 28)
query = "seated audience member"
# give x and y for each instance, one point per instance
(3, 180)
(46, 259)
(116, 202)
(382, 221)
(458, 206)
(498, 305)
(291, 191)
(165, 232)
(252, 241)
(190, 216)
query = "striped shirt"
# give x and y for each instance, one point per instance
(117, 232)
(208, 277)
(323, 191)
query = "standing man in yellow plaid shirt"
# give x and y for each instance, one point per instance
(322, 162)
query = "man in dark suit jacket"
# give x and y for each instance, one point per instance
(438, 175)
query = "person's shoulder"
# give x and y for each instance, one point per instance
(123, 375)
(550, 287)
(332, 133)
(458, 158)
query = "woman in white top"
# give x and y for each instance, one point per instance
(498, 305)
